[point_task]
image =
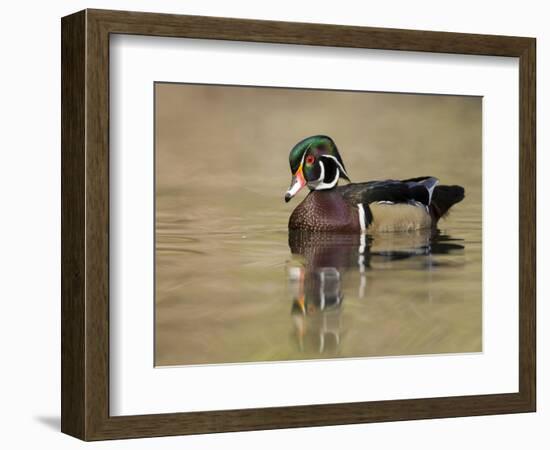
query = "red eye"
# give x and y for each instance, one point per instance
(310, 159)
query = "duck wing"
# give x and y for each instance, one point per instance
(419, 190)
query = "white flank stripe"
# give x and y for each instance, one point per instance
(362, 217)
(362, 246)
(361, 260)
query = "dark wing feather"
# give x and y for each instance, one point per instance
(412, 190)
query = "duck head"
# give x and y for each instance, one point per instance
(315, 162)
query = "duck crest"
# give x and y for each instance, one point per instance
(325, 210)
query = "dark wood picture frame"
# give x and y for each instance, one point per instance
(85, 224)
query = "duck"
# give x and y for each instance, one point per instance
(366, 207)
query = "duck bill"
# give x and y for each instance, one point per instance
(297, 183)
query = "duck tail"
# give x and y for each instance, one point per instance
(443, 198)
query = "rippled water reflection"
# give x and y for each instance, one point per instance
(265, 295)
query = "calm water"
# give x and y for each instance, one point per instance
(229, 291)
(233, 286)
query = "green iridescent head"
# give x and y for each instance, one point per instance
(315, 161)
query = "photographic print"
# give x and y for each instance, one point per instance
(295, 224)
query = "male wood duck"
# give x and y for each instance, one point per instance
(373, 206)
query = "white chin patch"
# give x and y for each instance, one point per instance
(294, 189)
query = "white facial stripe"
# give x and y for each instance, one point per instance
(293, 190)
(319, 185)
(322, 176)
(337, 162)
(333, 182)
(303, 157)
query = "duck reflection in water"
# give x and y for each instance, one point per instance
(317, 275)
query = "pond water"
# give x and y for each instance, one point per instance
(235, 289)
(232, 285)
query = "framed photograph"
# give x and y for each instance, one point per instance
(271, 224)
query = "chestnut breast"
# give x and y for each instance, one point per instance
(325, 211)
